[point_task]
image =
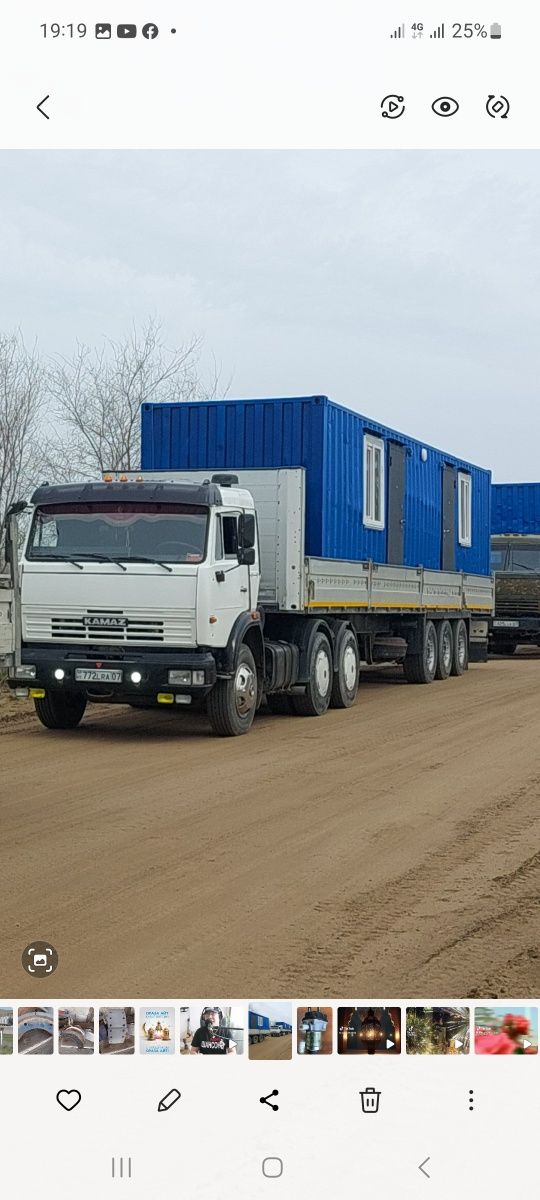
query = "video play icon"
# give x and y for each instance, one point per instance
(126, 31)
(393, 107)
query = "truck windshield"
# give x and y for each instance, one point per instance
(174, 533)
(515, 559)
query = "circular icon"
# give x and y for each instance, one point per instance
(39, 959)
(445, 106)
(498, 106)
(150, 31)
(393, 107)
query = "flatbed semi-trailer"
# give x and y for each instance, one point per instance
(203, 586)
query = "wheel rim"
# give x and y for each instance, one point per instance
(462, 648)
(322, 672)
(245, 690)
(431, 652)
(447, 650)
(350, 668)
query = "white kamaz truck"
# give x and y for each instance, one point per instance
(184, 591)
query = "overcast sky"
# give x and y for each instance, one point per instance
(277, 1010)
(403, 284)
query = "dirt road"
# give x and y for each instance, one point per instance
(389, 851)
(272, 1048)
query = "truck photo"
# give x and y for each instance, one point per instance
(259, 1027)
(265, 550)
(515, 560)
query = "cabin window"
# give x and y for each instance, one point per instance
(373, 482)
(464, 509)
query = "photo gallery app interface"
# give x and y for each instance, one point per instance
(269, 600)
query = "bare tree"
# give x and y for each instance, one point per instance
(97, 395)
(21, 409)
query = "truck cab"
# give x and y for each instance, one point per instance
(515, 560)
(139, 592)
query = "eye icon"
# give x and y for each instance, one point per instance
(445, 106)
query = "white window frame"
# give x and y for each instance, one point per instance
(464, 509)
(373, 446)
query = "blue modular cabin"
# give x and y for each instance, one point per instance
(258, 1021)
(371, 492)
(515, 508)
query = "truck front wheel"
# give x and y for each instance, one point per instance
(316, 698)
(61, 710)
(232, 703)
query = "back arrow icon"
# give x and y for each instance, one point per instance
(422, 1165)
(41, 109)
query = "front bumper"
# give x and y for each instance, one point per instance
(515, 629)
(153, 667)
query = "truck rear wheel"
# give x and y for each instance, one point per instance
(61, 710)
(445, 650)
(347, 676)
(421, 668)
(232, 703)
(316, 698)
(460, 656)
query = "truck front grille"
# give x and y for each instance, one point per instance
(170, 628)
(519, 606)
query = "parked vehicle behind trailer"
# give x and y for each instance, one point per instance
(515, 557)
(266, 549)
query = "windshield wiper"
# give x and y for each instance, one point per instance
(526, 567)
(59, 558)
(105, 558)
(155, 562)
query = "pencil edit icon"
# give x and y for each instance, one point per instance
(167, 1101)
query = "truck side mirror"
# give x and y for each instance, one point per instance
(247, 539)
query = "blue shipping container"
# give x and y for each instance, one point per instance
(258, 1021)
(515, 508)
(371, 493)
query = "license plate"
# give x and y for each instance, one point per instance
(97, 675)
(506, 624)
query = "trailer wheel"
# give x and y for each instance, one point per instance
(280, 704)
(232, 703)
(445, 650)
(63, 710)
(421, 668)
(347, 676)
(316, 698)
(460, 657)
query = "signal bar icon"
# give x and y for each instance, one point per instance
(399, 32)
(438, 32)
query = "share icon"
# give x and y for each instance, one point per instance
(266, 1100)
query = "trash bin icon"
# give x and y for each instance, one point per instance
(370, 1100)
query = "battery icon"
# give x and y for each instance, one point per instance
(495, 31)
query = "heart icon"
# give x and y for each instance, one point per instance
(68, 1100)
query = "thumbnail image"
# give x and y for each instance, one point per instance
(314, 1025)
(156, 1030)
(36, 1031)
(438, 1031)
(369, 1031)
(270, 1029)
(76, 1031)
(116, 1030)
(214, 1029)
(6, 1031)
(504, 1031)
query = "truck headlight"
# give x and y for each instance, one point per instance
(179, 676)
(59, 673)
(25, 672)
(135, 677)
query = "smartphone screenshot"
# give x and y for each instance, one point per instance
(269, 600)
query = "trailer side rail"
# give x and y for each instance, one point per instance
(367, 586)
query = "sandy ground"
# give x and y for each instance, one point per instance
(272, 1048)
(389, 851)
